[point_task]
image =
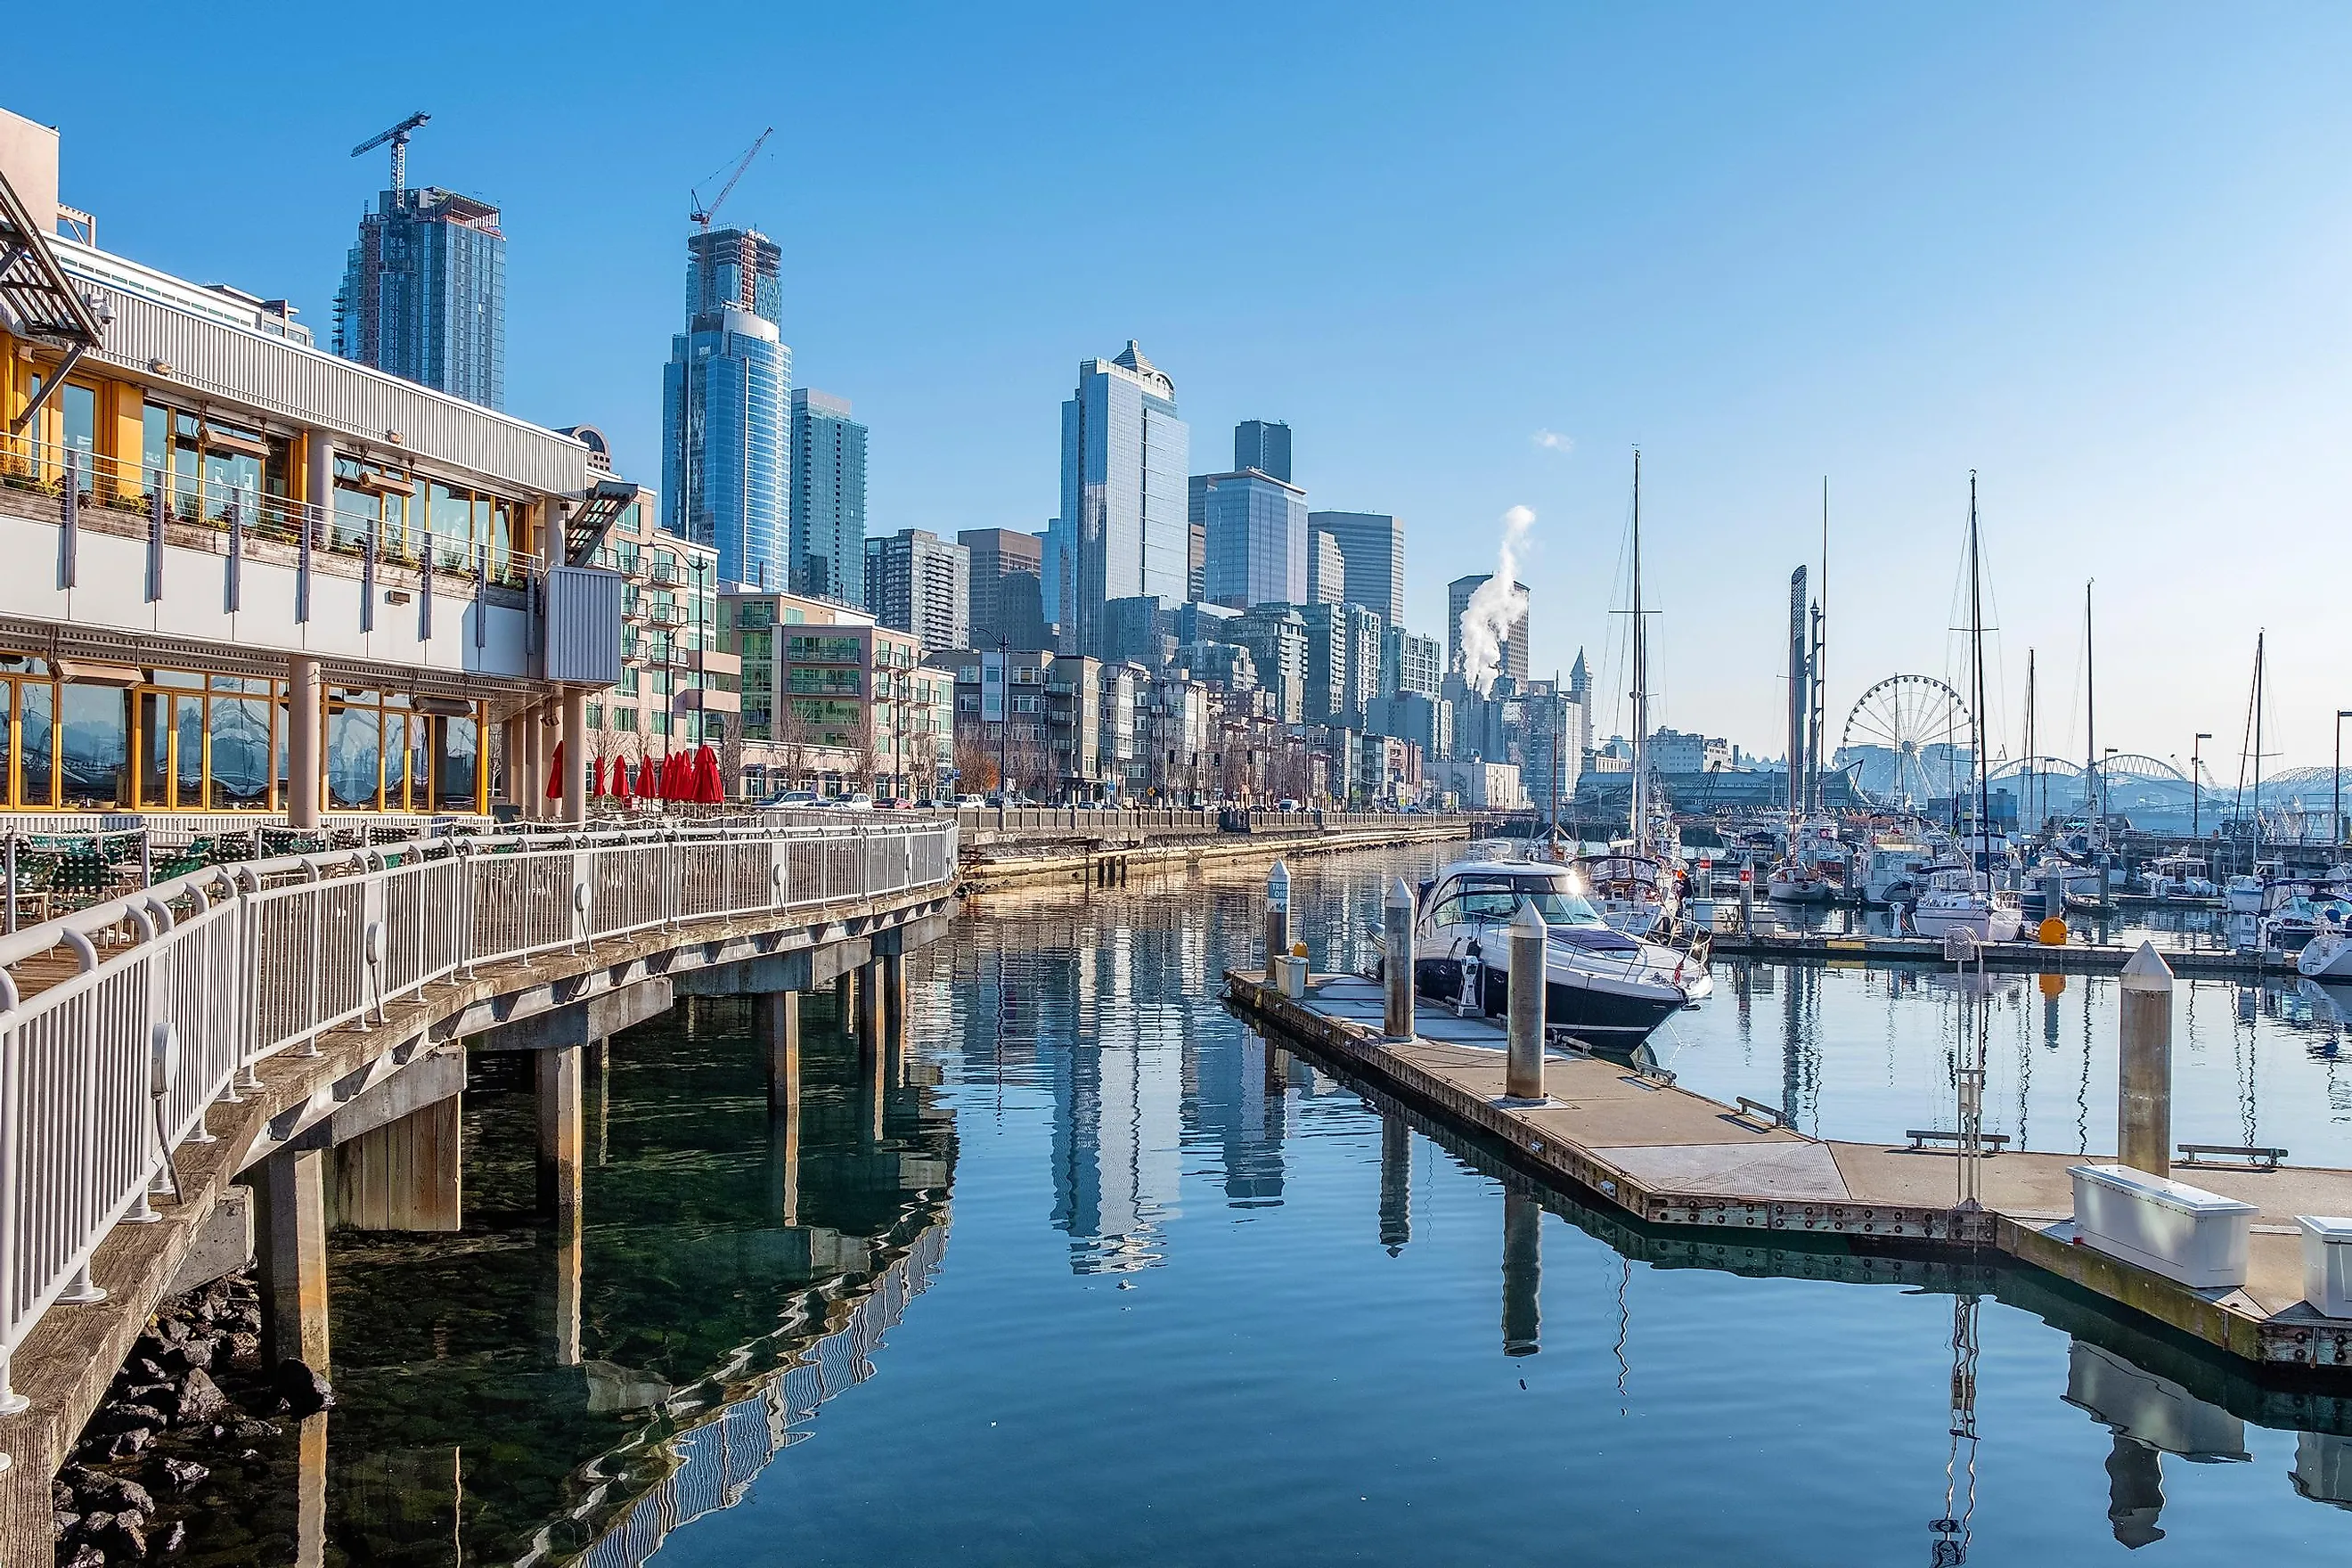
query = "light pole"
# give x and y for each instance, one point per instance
(2197, 777)
(2337, 837)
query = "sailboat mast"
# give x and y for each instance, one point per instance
(1820, 681)
(1640, 676)
(1976, 654)
(2096, 798)
(2259, 637)
(2030, 752)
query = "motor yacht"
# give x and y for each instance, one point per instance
(1959, 899)
(2327, 955)
(2178, 878)
(1636, 894)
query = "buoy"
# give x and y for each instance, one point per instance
(2053, 986)
(2053, 932)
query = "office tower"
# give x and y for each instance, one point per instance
(1515, 646)
(1410, 663)
(919, 583)
(1276, 638)
(1343, 663)
(1579, 691)
(998, 556)
(1196, 575)
(425, 293)
(1124, 455)
(828, 497)
(726, 409)
(1256, 531)
(1372, 546)
(1263, 445)
(1326, 573)
(1141, 629)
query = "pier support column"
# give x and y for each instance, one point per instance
(1522, 1274)
(894, 1017)
(1396, 962)
(776, 1027)
(869, 1008)
(1277, 918)
(311, 1494)
(844, 984)
(290, 1256)
(304, 719)
(559, 1133)
(511, 760)
(2144, 1065)
(575, 754)
(1523, 1066)
(1396, 1182)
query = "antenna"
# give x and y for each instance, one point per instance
(398, 137)
(701, 214)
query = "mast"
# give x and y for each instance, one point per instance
(1820, 680)
(2098, 796)
(2256, 868)
(1975, 655)
(1641, 679)
(2030, 752)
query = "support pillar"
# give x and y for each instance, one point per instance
(776, 1025)
(304, 720)
(311, 1494)
(290, 1256)
(530, 801)
(1522, 1274)
(575, 754)
(2144, 1065)
(869, 1008)
(843, 984)
(510, 750)
(559, 1071)
(894, 1017)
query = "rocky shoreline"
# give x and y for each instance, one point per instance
(193, 1398)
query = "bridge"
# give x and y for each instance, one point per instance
(182, 1062)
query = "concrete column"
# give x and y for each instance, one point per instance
(776, 1025)
(1523, 1071)
(530, 792)
(1522, 1273)
(511, 748)
(844, 986)
(570, 1259)
(601, 1052)
(311, 1494)
(784, 1163)
(1396, 1182)
(869, 1008)
(575, 754)
(305, 717)
(894, 1016)
(2144, 1065)
(559, 1071)
(290, 1245)
(1277, 917)
(1396, 962)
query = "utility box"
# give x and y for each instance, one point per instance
(1290, 976)
(582, 625)
(2186, 1233)
(2326, 1263)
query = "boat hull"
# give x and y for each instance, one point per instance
(2325, 957)
(1609, 1020)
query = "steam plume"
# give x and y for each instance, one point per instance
(1496, 606)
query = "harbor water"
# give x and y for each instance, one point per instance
(1106, 1279)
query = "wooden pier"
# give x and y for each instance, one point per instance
(1637, 1142)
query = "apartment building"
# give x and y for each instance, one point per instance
(831, 701)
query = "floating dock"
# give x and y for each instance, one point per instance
(1623, 1139)
(2071, 958)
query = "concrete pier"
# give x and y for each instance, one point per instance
(290, 1256)
(776, 1030)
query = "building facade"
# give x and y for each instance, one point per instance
(827, 515)
(1275, 637)
(1412, 663)
(1327, 574)
(919, 583)
(1125, 454)
(424, 294)
(1515, 646)
(726, 409)
(1343, 662)
(1002, 610)
(678, 688)
(1255, 532)
(1263, 445)
(1372, 549)
(833, 703)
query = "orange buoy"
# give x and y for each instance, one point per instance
(2052, 932)
(2053, 986)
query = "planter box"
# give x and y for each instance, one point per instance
(2326, 1263)
(2168, 1228)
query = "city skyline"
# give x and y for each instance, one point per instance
(2129, 385)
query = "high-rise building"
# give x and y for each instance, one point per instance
(726, 409)
(1515, 646)
(919, 583)
(1124, 457)
(1326, 572)
(1410, 663)
(1263, 445)
(1372, 547)
(1196, 575)
(425, 293)
(828, 497)
(1006, 573)
(1255, 528)
(1579, 691)
(1343, 663)
(1276, 636)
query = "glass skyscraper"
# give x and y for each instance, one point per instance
(726, 414)
(1124, 455)
(1258, 542)
(828, 489)
(1371, 554)
(1263, 445)
(425, 293)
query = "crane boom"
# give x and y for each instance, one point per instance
(398, 137)
(702, 215)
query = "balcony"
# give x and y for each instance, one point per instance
(708, 700)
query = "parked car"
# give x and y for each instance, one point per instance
(970, 802)
(1289, 805)
(794, 800)
(891, 803)
(860, 801)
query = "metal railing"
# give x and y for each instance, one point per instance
(1210, 819)
(177, 991)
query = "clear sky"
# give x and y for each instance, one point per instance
(1473, 255)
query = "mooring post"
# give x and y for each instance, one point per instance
(1522, 1068)
(1277, 918)
(559, 1084)
(2144, 1065)
(1522, 1273)
(776, 1025)
(1396, 961)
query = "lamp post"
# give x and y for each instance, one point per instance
(2197, 777)
(1003, 720)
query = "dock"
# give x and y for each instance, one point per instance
(2068, 958)
(1631, 1140)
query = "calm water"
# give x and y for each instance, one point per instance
(1108, 1284)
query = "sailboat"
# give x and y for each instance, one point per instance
(1965, 898)
(1636, 885)
(2247, 894)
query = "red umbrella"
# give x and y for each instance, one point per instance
(647, 787)
(620, 778)
(555, 773)
(673, 780)
(708, 787)
(596, 783)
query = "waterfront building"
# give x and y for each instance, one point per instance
(1062, 726)
(1007, 575)
(1142, 629)
(1410, 662)
(1515, 646)
(1254, 528)
(1125, 453)
(726, 409)
(827, 514)
(1327, 574)
(1174, 739)
(1372, 551)
(1275, 637)
(1343, 662)
(1481, 786)
(1426, 721)
(1263, 445)
(833, 701)
(425, 293)
(1681, 751)
(917, 581)
(256, 577)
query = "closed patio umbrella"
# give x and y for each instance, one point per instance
(708, 789)
(555, 773)
(648, 787)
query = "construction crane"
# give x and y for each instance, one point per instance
(398, 137)
(702, 215)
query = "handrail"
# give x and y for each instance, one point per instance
(240, 962)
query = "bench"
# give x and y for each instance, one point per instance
(1922, 1136)
(2216, 1156)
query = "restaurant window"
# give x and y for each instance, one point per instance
(94, 749)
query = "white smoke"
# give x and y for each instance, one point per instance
(1496, 606)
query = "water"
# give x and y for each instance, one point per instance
(1116, 1287)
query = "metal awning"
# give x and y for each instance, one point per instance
(37, 299)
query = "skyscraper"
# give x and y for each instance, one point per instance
(1343, 663)
(1326, 570)
(918, 583)
(425, 293)
(1255, 539)
(726, 414)
(828, 497)
(1515, 646)
(1124, 455)
(1001, 609)
(1371, 545)
(1410, 663)
(1263, 445)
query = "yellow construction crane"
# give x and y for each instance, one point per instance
(702, 215)
(398, 137)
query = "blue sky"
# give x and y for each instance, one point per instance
(2095, 252)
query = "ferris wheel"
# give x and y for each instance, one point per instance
(1907, 741)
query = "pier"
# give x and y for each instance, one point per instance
(1034, 845)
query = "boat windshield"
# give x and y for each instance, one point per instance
(1494, 898)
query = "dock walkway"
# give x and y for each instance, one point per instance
(1673, 1158)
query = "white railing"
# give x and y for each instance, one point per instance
(179, 990)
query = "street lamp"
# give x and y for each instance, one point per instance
(2196, 776)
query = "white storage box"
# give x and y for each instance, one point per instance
(1290, 976)
(2326, 1263)
(2168, 1228)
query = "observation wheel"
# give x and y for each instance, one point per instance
(1907, 740)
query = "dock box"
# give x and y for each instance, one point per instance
(2326, 1263)
(1290, 976)
(2168, 1228)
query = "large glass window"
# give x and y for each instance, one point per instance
(239, 741)
(354, 757)
(95, 746)
(457, 769)
(36, 740)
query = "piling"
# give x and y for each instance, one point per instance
(776, 1025)
(1522, 1273)
(290, 1256)
(1396, 1182)
(1396, 963)
(558, 1071)
(1278, 918)
(1523, 1068)
(2144, 1065)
